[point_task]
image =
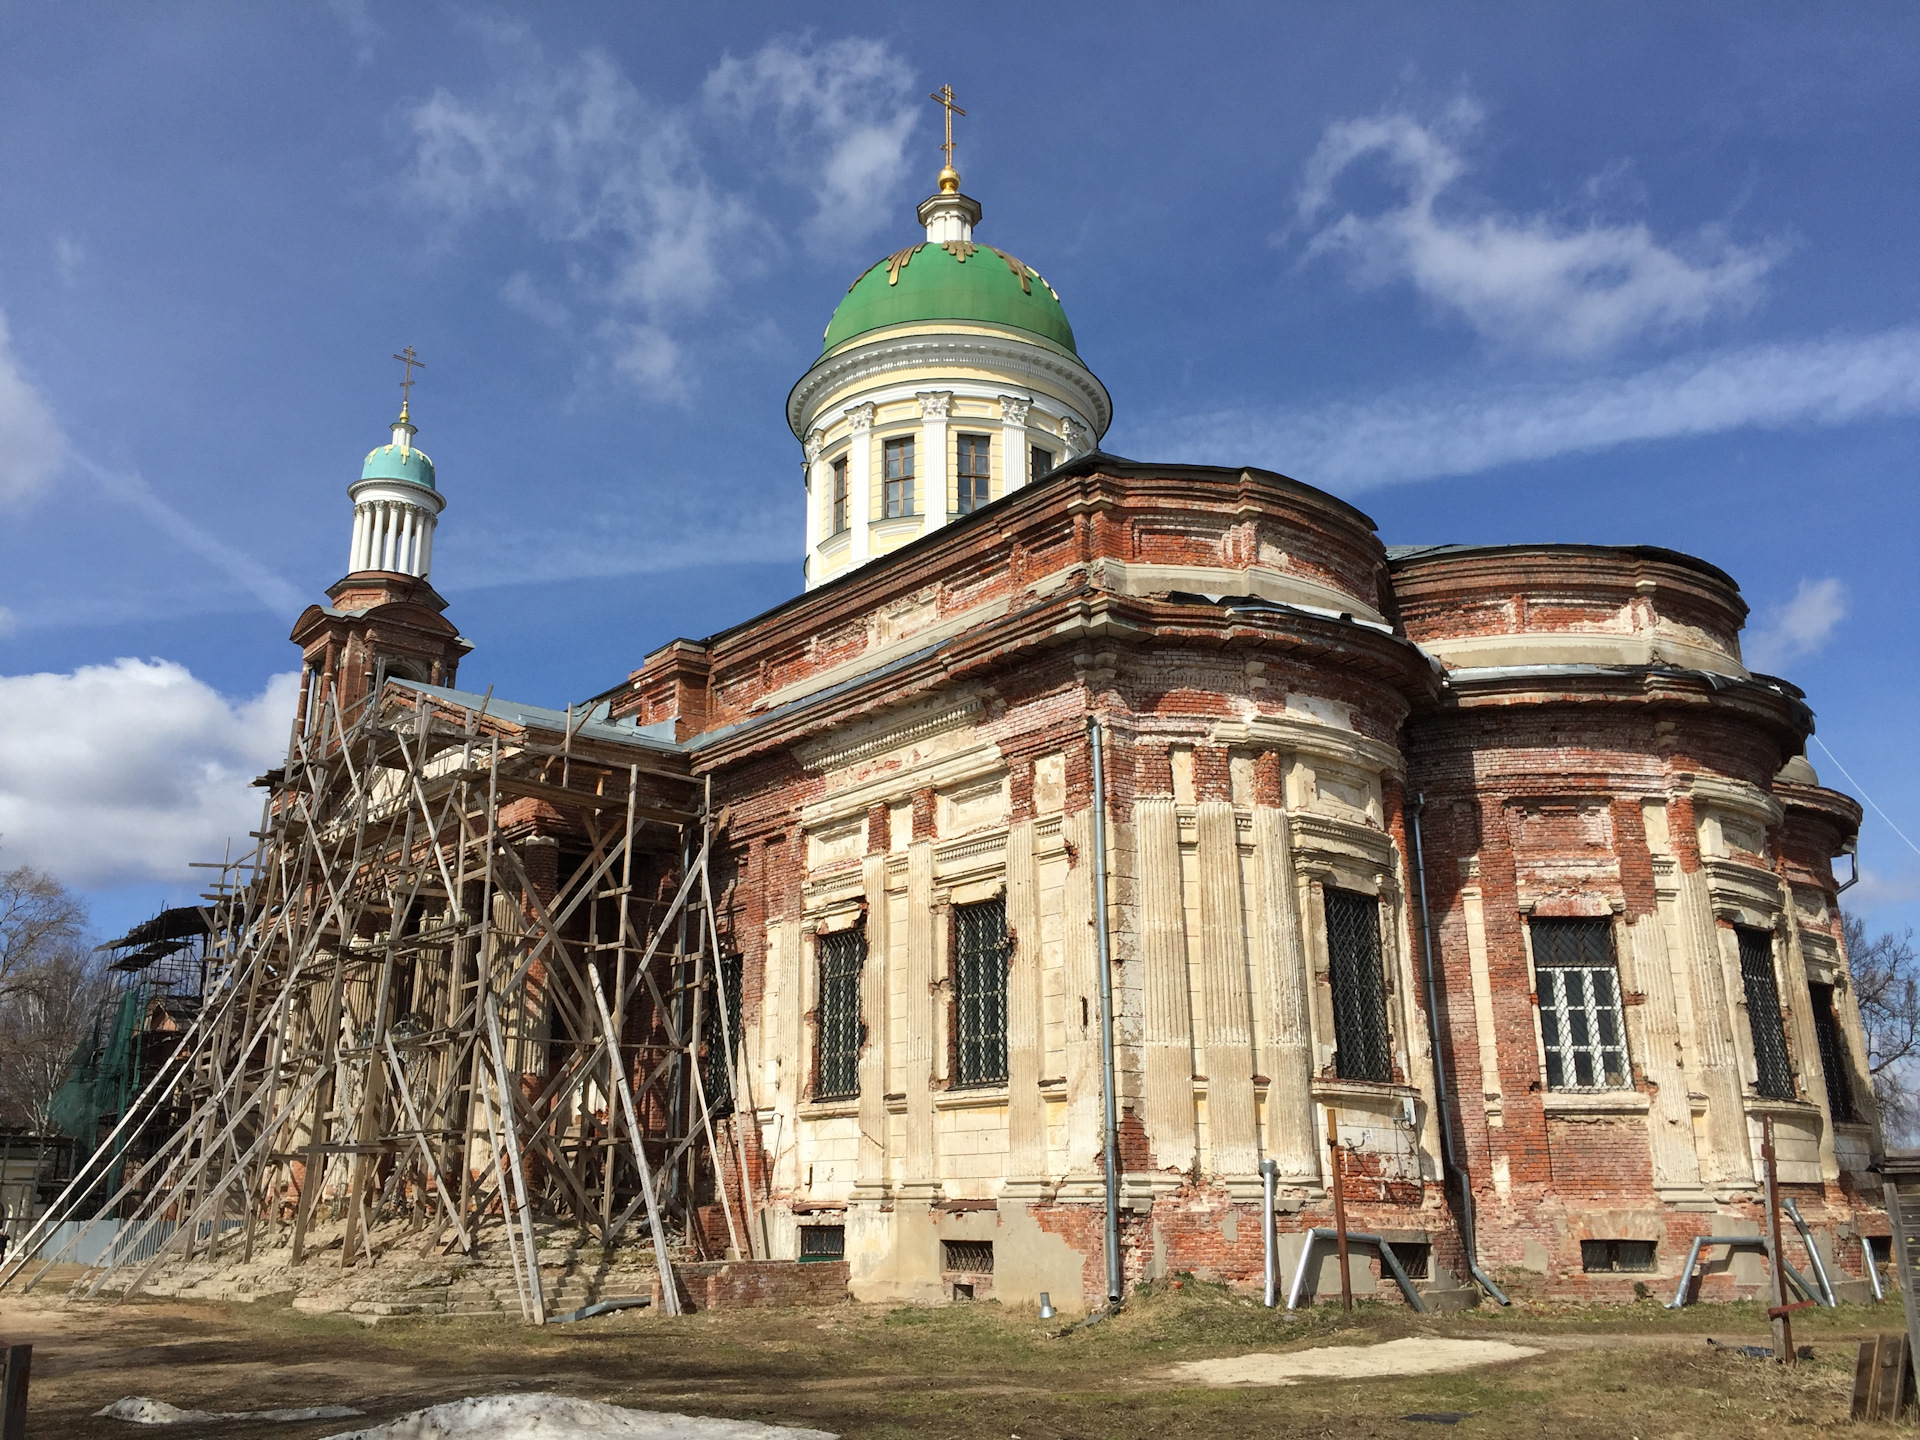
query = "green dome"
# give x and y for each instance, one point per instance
(390, 462)
(935, 282)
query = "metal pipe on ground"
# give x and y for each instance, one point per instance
(1813, 1253)
(1388, 1260)
(1455, 1166)
(1737, 1242)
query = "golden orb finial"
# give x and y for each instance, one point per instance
(949, 180)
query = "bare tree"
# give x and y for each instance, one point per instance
(49, 985)
(1886, 982)
(42, 1019)
(39, 920)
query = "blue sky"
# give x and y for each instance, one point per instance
(1610, 273)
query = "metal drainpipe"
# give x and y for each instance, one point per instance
(1106, 1013)
(1454, 1166)
(1268, 1170)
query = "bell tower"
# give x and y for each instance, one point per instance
(385, 620)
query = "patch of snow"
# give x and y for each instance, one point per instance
(1414, 1355)
(557, 1417)
(142, 1411)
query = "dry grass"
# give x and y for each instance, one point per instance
(1621, 1371)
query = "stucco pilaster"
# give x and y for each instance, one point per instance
(1232, 1128)
(1806, 1045)
(872, 1165)
(1026, 1109)
(921, 997)
(1292, 1137)
(1168, 1021)
(1728, 1158)
(1649, 971)
(1080, 959)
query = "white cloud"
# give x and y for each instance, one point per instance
(622, 185)
(126, 772)
(1427, 434)
(1532, 281)
(1798, 628)
(32, 448)
(842, 113)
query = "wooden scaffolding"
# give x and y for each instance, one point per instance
(469, 978)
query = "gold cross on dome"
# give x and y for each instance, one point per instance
(944, 95)
(408, 359)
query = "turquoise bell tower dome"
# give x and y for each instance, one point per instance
(395, 507)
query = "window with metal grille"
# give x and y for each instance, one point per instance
(716, 1062)
(975, 472)
(1621, 1257)
(980, 953)
(1415, 1259)
(1581, 1024)
(899, 477)
(969, 1257)
(822, 1242)
(838, 1031)
(1040, 462)
(1764, 1020)
(1833, 1055)
(839, 496)
(1362, 1049)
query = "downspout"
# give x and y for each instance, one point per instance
(1455, 1167)
(1106, 1014)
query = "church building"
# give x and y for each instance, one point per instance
(1102, 830)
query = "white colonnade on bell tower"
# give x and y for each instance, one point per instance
(395, 509)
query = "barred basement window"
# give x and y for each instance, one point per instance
(716, 1063)
(1416, 1260)
(1764, 1020)
(898, 497)
(980, 954)
(838, 1032)
(1580, 1016)
(822, 1242)
(1833, 1056)
(1622, 1257)
(1039, 463)
(975, 472)
(840, 496)
(969, 1257)
(1362, 1050)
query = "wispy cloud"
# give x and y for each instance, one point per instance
(97, 800)
(677, 532)
(32, 447)
(842, 113)
(1799, 628)
(68, 256)
(1431, 433)
(1537, 282)
(623, 185)
(131, 489)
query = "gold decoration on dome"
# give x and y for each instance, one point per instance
(897, 262)
(961, 250)
(949, 177)
(410, 360)
(1022, 271)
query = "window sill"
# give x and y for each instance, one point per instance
(835, 1109)
(1785, 1109)
(1364, 1091)
(1595, 1102)
(971, 1097)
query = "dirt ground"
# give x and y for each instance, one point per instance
(963, 1371)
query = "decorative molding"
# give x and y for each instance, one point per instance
(860, 417)
(833, 752)
(935, 404)
(1013, 411)
(816, 442)
(886, 355)
(1595, 1102)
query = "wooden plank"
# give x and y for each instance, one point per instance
(1865, 1366)
(1890, 1377)
(585, 800)
(17, 1361)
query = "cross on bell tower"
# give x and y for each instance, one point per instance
(949, 177)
